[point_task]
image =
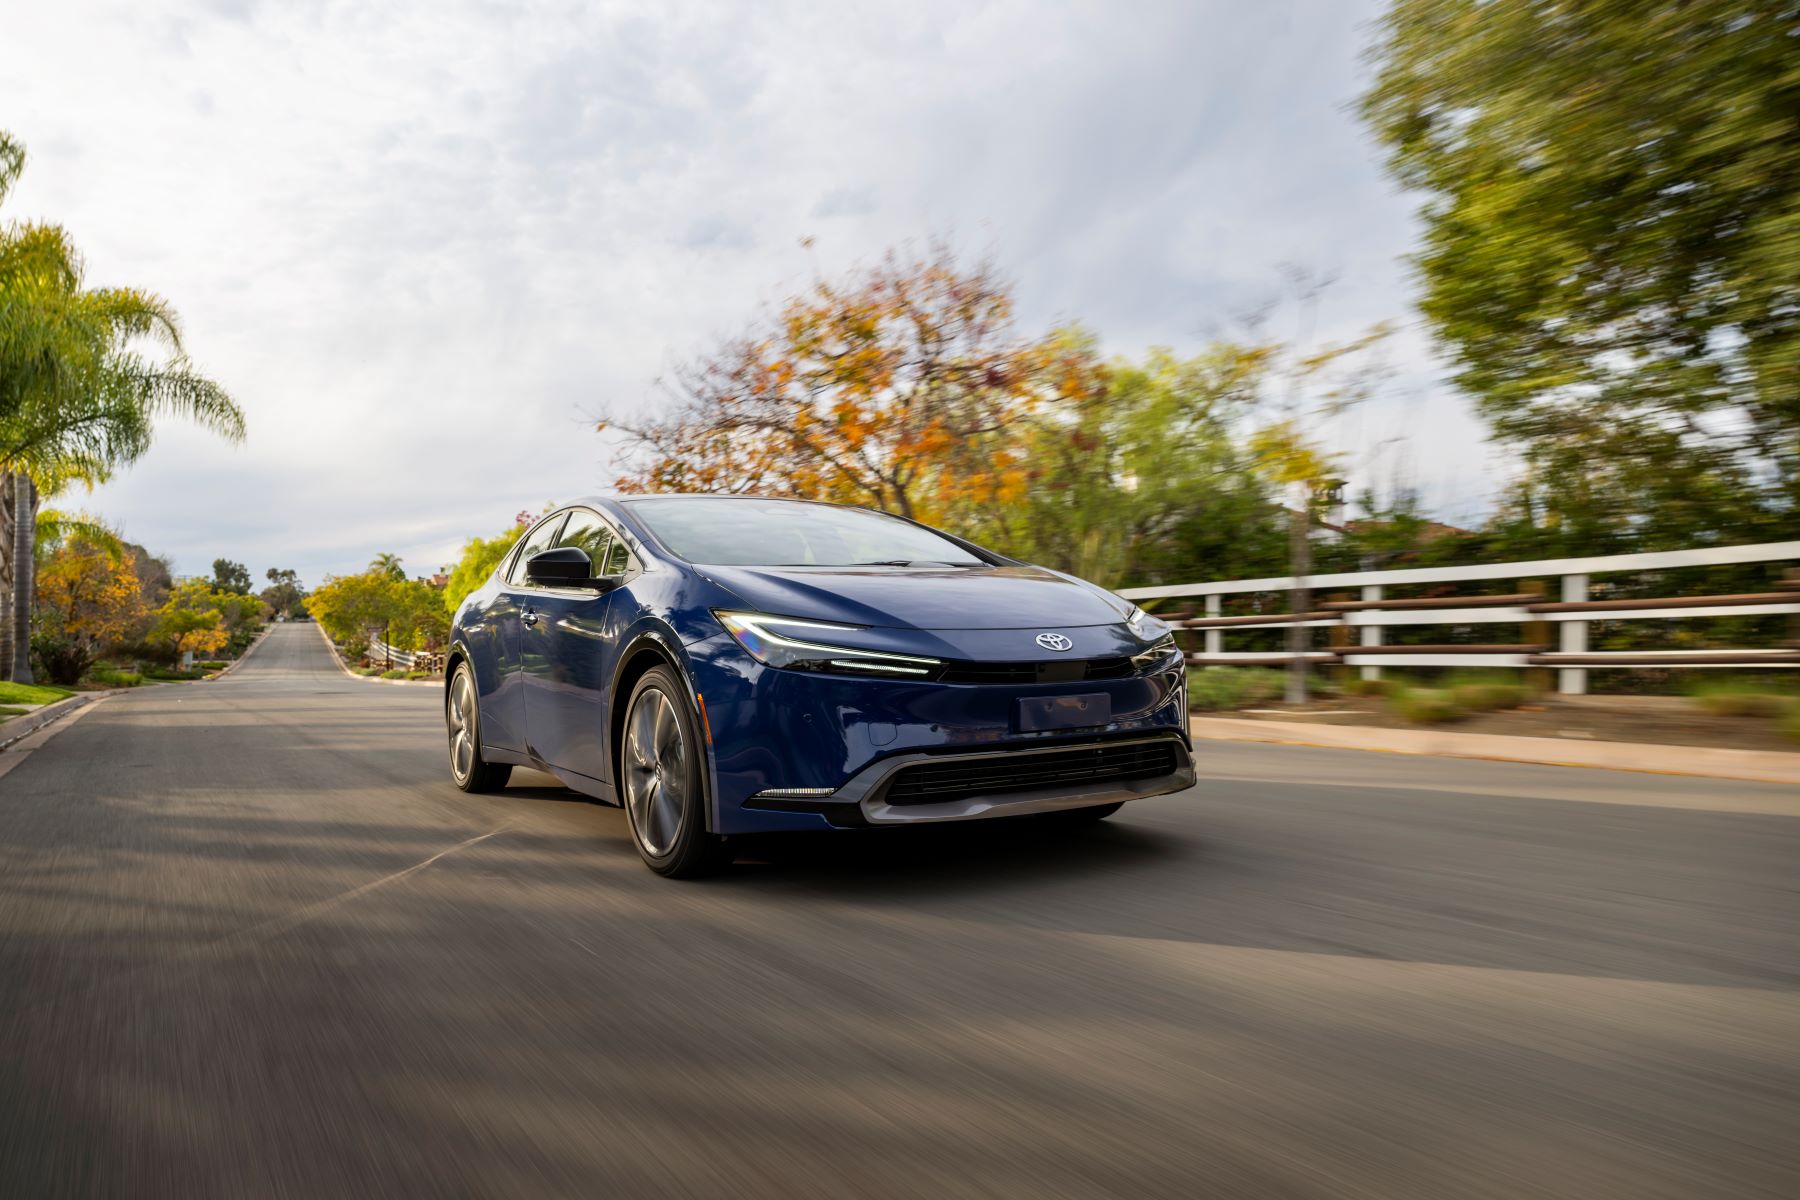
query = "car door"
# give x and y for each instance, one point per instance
(569, 656)
(503, 709)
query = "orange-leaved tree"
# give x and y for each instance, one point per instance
(893, 387)
(88, 599)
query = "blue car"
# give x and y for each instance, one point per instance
(732, 665)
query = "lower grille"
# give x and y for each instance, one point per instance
(1070, 670)
(1025, 771)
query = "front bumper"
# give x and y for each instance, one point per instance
(839, 741)
(867, 798)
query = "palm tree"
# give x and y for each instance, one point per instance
(79, 393)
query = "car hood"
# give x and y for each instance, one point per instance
(984, 597)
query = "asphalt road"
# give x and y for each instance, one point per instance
(253, 943)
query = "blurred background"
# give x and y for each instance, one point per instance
(1188, 293)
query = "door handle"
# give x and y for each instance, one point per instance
(529, 616)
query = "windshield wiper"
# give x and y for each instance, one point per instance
(913, 562)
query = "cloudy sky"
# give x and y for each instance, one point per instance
(420, 239)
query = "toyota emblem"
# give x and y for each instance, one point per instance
(1054, 641)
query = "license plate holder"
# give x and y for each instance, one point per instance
(1037, 714)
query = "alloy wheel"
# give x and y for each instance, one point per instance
(656, 774)
(462, 726)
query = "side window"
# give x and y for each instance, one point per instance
(587, 532)
(536, 542)
(618, 558)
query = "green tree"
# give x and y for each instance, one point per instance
(1143, 477)
(388, 564)
(357, 609)
(284, 592)
(1612, 248)
(84, 375)
(190, 620)
(231, 577)
(479, 558)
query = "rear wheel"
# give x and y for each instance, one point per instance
(662, 779)
(462, 716)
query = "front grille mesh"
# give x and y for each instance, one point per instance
(934, 782)
(1052, 671)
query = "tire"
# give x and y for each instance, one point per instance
(462, 717)
(662, 780)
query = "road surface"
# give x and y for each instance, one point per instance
(253, 943)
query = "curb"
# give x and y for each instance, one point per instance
(1710, 762)
(242, 658)
(20, 728)
(344, 667)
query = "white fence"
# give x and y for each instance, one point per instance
(1561, 601)
(380, 651)
(410, 660)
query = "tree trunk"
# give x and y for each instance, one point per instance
(1299, 638)
(7, 495)
(25, 503)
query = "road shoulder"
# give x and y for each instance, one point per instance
(1758, 766)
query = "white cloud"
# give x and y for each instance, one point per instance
(419, 240)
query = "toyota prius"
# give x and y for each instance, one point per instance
(729, 665)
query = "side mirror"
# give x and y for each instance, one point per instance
(566, 567)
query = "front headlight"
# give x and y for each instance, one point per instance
(793, 643)
(1146, 628)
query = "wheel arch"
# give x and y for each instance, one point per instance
(652, 648)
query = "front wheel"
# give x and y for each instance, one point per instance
(662, 775)
(462, 715)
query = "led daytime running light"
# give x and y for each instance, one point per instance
(752, 632)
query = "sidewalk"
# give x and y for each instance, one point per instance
(1762, 766)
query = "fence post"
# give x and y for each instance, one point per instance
(1215, 638)
(1371, 635)
(1572, 681)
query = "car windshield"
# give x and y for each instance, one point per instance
(731, 532)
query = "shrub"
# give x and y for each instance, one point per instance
(419, 675)
(1371, 687)
(1486, 697)
(1790, 723)
(396, 673)
(1426, 706)
(212, 666)
(1214, 688)
(1730, 703)
(115, 678)
(365, 671)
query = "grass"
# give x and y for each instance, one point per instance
(421, 675)
(28, 693)
(7, 710)
(1789, 725)
(396, 673)
(365, 671)
(1489, 697)
(1743, 696)
(1426, 706)
(115, 678)
(1214, 689)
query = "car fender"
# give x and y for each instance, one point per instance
(646, 632)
